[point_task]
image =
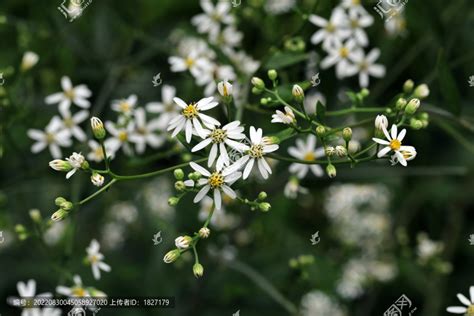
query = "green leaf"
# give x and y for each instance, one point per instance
(321, 111)
(285, 134)
(284, 59)
(447, 86)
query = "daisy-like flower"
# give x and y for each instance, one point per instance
(365, 66)
(78, 290)
(340, 55)
(293, 187)
(394, 143)
(53, 137)
(96, 153)
(75, 160)
(120, 137)
(354, 6)
(210, 21)
(219, 138)
(217, 73)
(96, 258)
(190, 118)
(409, 153)
(332, 31)
(193, 62)
(165, 108)
(219, 182)
(71, 123)
(259, 146)
(28, 290)
(277, 7)
(306, 151)
(125, 106)
(230, 37)
(77, 95)
(285, 118)
(357, 22)
(144, 133)
(467, 310)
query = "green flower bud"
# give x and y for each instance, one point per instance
(330, 151)
(272, 74)
(297, 93)
(424, 116)
(258, 83)
(35, 215)
(256, 91)
(194, 176)
(412, 106)
(321, 131)
(173, 201)
(270, 140)
(293, 263)
(331, 170)
(198, 270)
(408, 86)
(60, 165)
(172, 256)
(179, 186)
(416, 124)
(20, 229)
(59, 201)
(98, 128)
(422, 91)
(59, 215)
(262, 196)
(401, 103)
(178, 174)
(85, 165)
(263, 101)
(347, 134)
(364, 93)
(264, 206)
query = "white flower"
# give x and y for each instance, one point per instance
(397, 25)
(210, 21)
(77, 95)
(331, 31)
(381, 122)
(219, 138)
(145, 132)
(97, 179)
(218, 72)
(357, 22)
(71, 122)
(196, 64)
(165, 108)
(306, 151)
(340, 54)
(409, 153)
(427, 248)
(30, 59)
(53, 137)
(244, 62)
(318, 303)
(183, 242)
(190, 118)
(28, 290)
(120, 137)
(227, 39)
(219, 181)
(96, 259)
(365, 66)
(97, 154)
(292, 188)
(354, 6)
(469, 310)
(286, 118)
(75, 291)
(259, 146)
(311, 100)
(394, 143)
(224, 88)
(276, 7)
(75, 160)
(125, 106)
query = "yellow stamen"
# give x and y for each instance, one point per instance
(190, 111)
(68, 122)
(309, 156)
(50, 138)
(470, 310)
(355, 2)
(216, 180)
(256, 151)
(69, 94)
(344, 52)
(124, 107)
(123, 136)
(189, 62)
(79, 292)
(330, 27)
(395, 144)
(218, 136)
(99, 153)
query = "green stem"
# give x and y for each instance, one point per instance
(104, 188)
(356, 110)
(319, 162)
(106, 159)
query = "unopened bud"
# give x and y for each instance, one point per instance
(59, 200)
(258, 83)
(204, 232)
(364, 93)
(381, 122)
(272, 74)
(98, 128)
(262, 196)
(422, 91)
(330, 151)
(171, 256)
(178, 174)
(270, 140)
(331, 171)
(183, 242)
(194, 176)
(35, 215)
(408, 86)
(60, 165)
(198, 270)
(416, 124)
(179, 186)
(59, 215)
(297, 93)
(256, 91)
(263, 101)
(173, 201)
(412, 106)
(264, 206)
(341, 151)
(347, 134)
(321, 131)
(401, 103)
(225, 89)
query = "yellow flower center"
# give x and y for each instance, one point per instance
(256, 151)
(363, 65)
(50, 138)
(354, 24)
(216, 180)
(395, 144)
(69, 94)
(142, 130)
(225, 92)
(330, 28)
(123, 136)
(344, 52)
(309, 156)
(93, 259)
(124, 107)
(189, 62)
(470, 310)
(79, 292)
(99, 153)
(68, 122)
(355, 2)
(190, 111)
(218, 136)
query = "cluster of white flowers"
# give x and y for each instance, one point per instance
(120, 216)
(343, 38)
(468, 309)
(28, 290)
(319, 303)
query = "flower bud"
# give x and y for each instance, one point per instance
(321, 131)
(412, 106)
(85, 165)
(21, 232)
(173, 201)
(264, 206)
(35, 215)
(198, 270)
(381, 122)
(416, 124)
(179, 186)
(272, 74)
(224, 88)
(408, 86)
(263, 101)
(341, 151)
(98, 128)
(297, 93)
(60, 165)
(30, 59)
(256, 91)
(59, 215)
(183, 242)
(331, 171)
(422, 91)
(178, 174)
(270, 140)
(262, 196)
(171, 256)
(364, 93)
(347, 134)
(401, 103)
(258, 83)
(204, 232)
(59, 201)
(194, 176)
(330, 151)
(97, 179)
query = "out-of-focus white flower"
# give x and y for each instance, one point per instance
(381, 122)
(341, 54)
(285, 118)
(166, 108)
(71, 123)
(293, 187)
(427, 248)
(259, 147)
(219, 181)
(77, 95)
(318, 303)
(221, 219)
(113, 235)
(332, 31)
(28, 290)
(30, 59)
(96, 258)
(306, 151)
(277, 7)
(75, 160)
(356, 23)
(213, 75)
(229, 38)
(96, 153)
(196, 64)
(365, 66)
(311, 100)
(124, 212)
(243, 62)
(125, 106)
(469, 309)
(228, 135)
(224, 88)
(354, 6)
(210, 21)
(77, 290)
(397, 25)
(144, 133)
(53, 137)
(120, 137)
(394, 143)
(55, 233)
(191, 117)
